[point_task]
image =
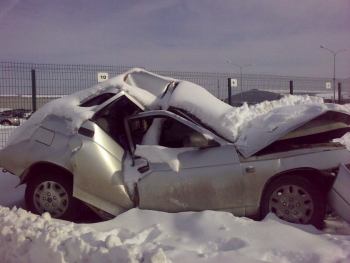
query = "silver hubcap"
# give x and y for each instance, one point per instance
(292, 203)
(50, 196)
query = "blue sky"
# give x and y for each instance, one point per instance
(275, 36)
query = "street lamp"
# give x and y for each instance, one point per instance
(334, 53)
(240, 73)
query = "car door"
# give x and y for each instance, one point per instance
(208, 174)
(97, 163)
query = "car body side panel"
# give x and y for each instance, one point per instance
(45, 145)
(208, 179)
(97, 173)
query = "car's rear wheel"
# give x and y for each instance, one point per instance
(51, 193)
(295, 199)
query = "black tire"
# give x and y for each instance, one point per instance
(295, 199)
(52, 192)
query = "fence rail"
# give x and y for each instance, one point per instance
(56, 80)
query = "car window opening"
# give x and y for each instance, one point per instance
(177, 135)
(166, 132)
(111, 119)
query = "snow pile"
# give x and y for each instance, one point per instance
(226, 120)
(237, 119)
(149, 236)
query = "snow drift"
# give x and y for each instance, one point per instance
(149, 236)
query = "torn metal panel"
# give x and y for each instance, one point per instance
(328, 122)
(317, 126)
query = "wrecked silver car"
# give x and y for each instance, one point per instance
(139, 140)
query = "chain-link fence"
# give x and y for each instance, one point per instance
(51, 81)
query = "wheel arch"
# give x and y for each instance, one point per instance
(322, 179)
(43, 172)
(39, 167)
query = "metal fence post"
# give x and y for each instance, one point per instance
(229, 91)
(339, 92)
(33, 91)
(218, 89)
(291, 91)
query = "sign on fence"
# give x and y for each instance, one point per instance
(233, 83)
(102, 76)
(328, 85)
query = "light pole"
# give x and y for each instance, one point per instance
(334, 53)
(240, 73)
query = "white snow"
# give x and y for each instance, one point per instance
(160, 154)
(150, 236)
(226, 120)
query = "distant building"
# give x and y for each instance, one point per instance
(252, 97)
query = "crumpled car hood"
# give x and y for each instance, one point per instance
(268, 128)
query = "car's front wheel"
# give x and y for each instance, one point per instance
(51, 193)
(295, 199)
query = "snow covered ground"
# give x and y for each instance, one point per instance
(150, 236)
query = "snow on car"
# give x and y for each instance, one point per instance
(148, 141)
